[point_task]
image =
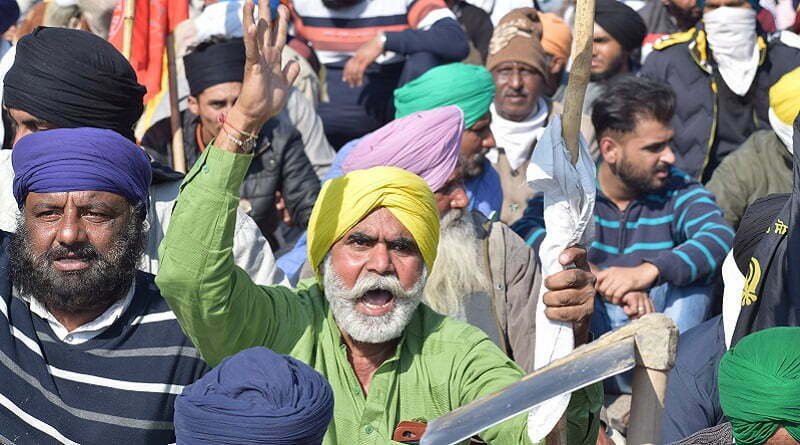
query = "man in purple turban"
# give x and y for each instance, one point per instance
(89, 350)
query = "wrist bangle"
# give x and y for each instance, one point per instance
(383, 39)
(245, 146)
(223, 122)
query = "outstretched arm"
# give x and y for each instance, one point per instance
(217, 304)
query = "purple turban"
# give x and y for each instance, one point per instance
(426, 143)
(77, 159)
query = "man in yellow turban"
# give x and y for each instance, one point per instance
(372, 239)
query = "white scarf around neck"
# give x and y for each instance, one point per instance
(517, 137)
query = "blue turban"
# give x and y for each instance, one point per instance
(255, 397)
(9, 14)
(77, 159)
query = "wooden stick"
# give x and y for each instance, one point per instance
(571, 118)
(578, 76)
(649, 389)
(178, 156)
(654, 358)
(127, 31)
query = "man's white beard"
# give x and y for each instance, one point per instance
(460, 268)
(368, 328)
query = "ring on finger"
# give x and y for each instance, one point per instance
(641, 308)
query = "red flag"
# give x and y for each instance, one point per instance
(153, 21)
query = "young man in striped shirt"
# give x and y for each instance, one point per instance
(660, 237)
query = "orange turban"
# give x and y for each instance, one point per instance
(556, 35)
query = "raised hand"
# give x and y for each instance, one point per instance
(265, 87)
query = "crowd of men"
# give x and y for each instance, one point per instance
(354, 249)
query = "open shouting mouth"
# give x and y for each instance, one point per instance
(375, 302)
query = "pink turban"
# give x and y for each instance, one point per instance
(426, 143)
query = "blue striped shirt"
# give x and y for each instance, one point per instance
(679, 229)
(118, 387)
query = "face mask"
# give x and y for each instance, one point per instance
(784, 131)
(732, 39)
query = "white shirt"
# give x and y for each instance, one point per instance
(85, 332)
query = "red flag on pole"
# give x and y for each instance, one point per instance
(154, 20)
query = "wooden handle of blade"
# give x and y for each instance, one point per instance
(578, 76)
(649, 390)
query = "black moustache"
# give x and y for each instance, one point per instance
(87, 253)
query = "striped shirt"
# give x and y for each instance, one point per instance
(679, 229)
(118, 387)
(336, 34)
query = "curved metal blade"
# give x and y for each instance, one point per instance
(566, 375)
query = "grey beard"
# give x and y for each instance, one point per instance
(104, 282)
(366, 328)
(460, 268)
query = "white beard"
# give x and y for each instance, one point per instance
(367, 328)
(460, 268)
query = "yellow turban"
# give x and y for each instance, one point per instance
(343, 202)
(784, 97)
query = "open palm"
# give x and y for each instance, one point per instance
(265, 87)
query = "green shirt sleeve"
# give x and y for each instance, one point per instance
(217, 304)
(583, 415)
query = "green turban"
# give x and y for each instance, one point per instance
(759, 385)
(471, 87)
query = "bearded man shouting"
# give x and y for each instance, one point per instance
(372, 239)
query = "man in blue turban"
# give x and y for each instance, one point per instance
(88, 347)
(257, 397)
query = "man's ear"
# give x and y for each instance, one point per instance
(610, 150)
(193, 105)
(557, 65)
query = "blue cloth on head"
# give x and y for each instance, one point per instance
(255, 397)
(485, 192)
(78, 159)
(9, 14)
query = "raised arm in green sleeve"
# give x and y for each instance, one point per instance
(217, 304)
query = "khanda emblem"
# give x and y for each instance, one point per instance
(751, 283)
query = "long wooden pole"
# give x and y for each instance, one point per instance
(578, 76)
(127, 31)
(178, 156)
(571, 121)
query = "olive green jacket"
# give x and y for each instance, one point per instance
(761, 166)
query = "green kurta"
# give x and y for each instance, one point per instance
(440, 364)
